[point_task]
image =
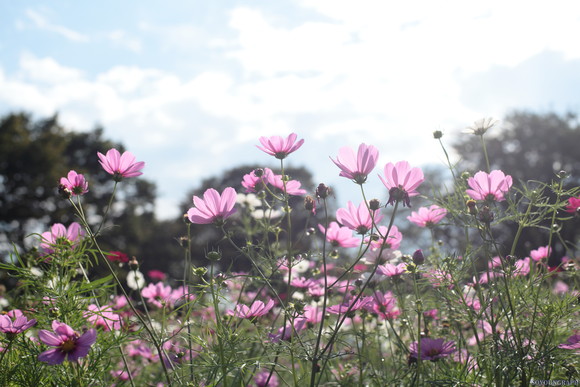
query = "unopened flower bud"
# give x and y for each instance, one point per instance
(485, 215)
(358, 282)
(309, 204)
(322, 191)
(185, 219)
(562, 174)
(258, 172)
(374, 204)
(418, 257)
(465, 175)
(437, 134)
(133, 264)
(471, 207)
(214, 256)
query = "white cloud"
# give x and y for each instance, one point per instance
(122, 39)
(43, 23)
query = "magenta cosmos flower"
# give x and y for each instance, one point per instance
(402, 181)
(68, 344)
(358, 218)
(541, 253)
(431, 349)
(489, 186)
(573, 342)
(59, 235)
(339, 236)
(74, 183)
(357, 167)
(257, 309)
(15, 322)
(157, 294)
(213, 208)
(280, 147)
(427, 216)
(573, 205)
(120, 165)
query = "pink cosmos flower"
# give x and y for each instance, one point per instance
(157, 294)
(522, 267)
(257, 309)
(573, 205)
(390, 270)
(74, 183)
(392, 241)
(489, 186)
(292, 186)
(280, 147)
(573, 342)
(358, 219)
(339, 236)
(541, 253)
(120, 165)
(350, 306)
(431, 349)
(427, 216)
(60, 235)
(384, 305)
(256, 179)
(103, 317)
(69, 345)
(357, 167)
(213, 208)
(266, 379)
(156, 275)
(402, 181)
(15, 322)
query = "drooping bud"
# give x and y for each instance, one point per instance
(374, 204)
(322, 191)
(310, 204)
(471, 207)
(485, 215)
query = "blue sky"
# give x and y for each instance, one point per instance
(189, 86)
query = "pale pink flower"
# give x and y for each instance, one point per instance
(402, 181)
(390, 270)
(541, 253)
(392, 241)
(431, 349)
(257, 309)
(357, 167)
(291, 187)
(489, 186)
(74, 183)
(280, 147)
(103, 317)
(350, 305)
(257, 179)
(60, 236)
(120, 165)
(358, 218)
(339, 236)
(213, 208)
(427, 216)
(522, 267)
(384, 305)
(68, 344)
(157, 294)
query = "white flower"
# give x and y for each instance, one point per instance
(35, 271)
(250, 200)
(135, 280)
(269, 213)
(481, 126)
